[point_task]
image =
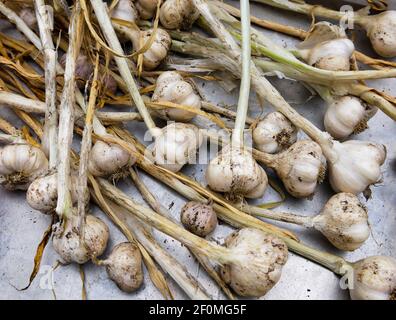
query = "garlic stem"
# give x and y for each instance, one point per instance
(103, 18)
(19, 102)
(223, 111)
(9, 139)
(50, 59)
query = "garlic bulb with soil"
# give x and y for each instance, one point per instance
(171, 87)
(235, 172)
(374, 278)
(199, 218)
(146, 8)
(124, 266)
(42, 193)
(125, 10)
(355, 165)
(177, 145)
(178, 14)
(67, 244)
(269, 255)
(347, 115)
(21, 164)
(274, 133)
(106, 159)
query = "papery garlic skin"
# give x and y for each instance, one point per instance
(347, 115)
(178, 14)
(355, 165)
(84, 69)
(29, 17)
(235, 172)
(159, 49)
(125, 10)
(146, 8)
(106, 159)
(331, 55)
(177, 145)
(20, 164)
(42, 193)
(344, 222)
(67, 244)
(199, 218)
(374, 279)
(171, 87)
(301, 168)
(265, 256)
(274, 133)
(381, 29)
(124, 266)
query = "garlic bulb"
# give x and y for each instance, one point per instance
(84, 69)
(146, 8)
(374, 279)
(347, 115)
(332, 55)
(177, 145)
(159, 48)
(178, 14)
(20, 164)
(274, 133)
(109, 84)
(199, 218)
(29, 17)
(343, 221)
(265, 256)
(125, 10)
(234, 171)
(42, 193)
(171, 87)
(355, 165)
(301, 167)
(381, 29)
(124, 266)
(106, 159)
(66, 240)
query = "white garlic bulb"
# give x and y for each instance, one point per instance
(301, 167)
(347, 115)
(67, 244)
(146, 8)
(20, 164)
(265, 256)
(332, 55)
(178, 14)
(355, 165)
(374, 279)
(274, 133)
(124, 266)
(171, 87)
(177, 145)
(106, 159)
(42, 193)
(159, 48)
(199, 218)
(381, 29)
(235, 172)
(343, 221)
(125, 10)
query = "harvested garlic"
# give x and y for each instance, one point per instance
(67, 244)
(347, 115)
(42, 193)
(177, 145)
(29, 17)
(265, 257)
(125, 10)
(21, 164)
(374, 279)
(171, 87)
(381, 30)
(274, 133)
(84, 69)
(235, 172)
(178, 14)
(106, 159)
(199, 218)
(355, 165)
(124, 266)
(146, 8)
